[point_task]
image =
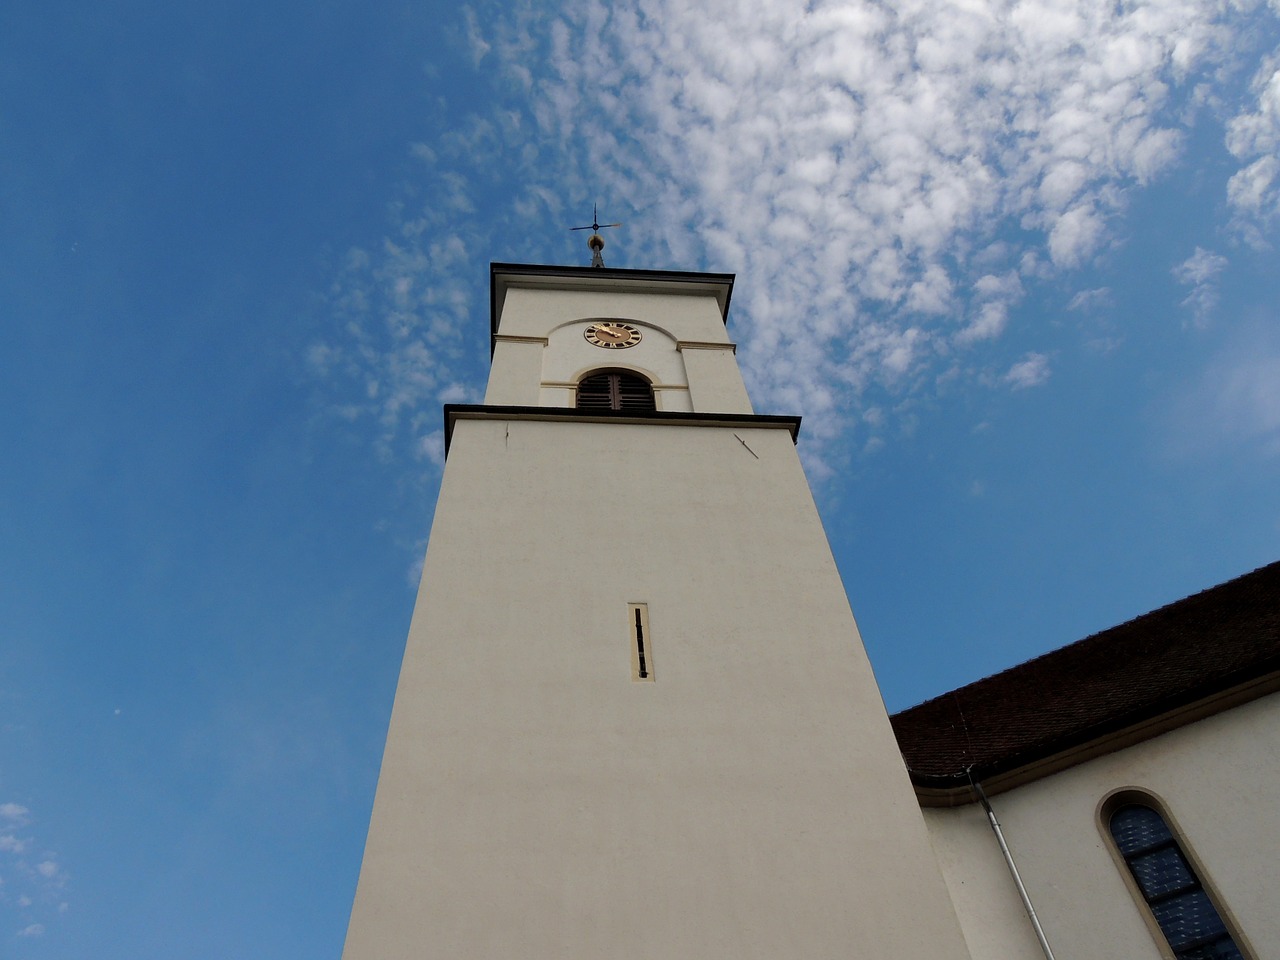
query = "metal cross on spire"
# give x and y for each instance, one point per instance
(595, 241)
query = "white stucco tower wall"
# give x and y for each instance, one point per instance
(536, 799)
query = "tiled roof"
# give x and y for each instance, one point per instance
(1165, 660)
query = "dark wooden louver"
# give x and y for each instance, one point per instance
(614, 391)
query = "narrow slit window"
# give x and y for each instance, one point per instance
(641, 642)
(1168, 883)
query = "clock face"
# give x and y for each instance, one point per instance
(612, 335)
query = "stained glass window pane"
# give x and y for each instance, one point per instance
(1187, 917)
(1224, 949)
(1162, 872)
(1138, 828)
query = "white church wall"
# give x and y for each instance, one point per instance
(985, 899)
(536, 801)
(1218, 779)
(516, 371)
(714, 382)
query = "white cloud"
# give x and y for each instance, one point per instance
(886, 180)
(321, 358)
(853, 162)
(992, 298)
(475, 40)
(1253, 137)
(1252, 189)
(1031, 371)
(1202, 266)
(1200, 272)
(14, 813)
(402, 313)
(1090, 300)
(1246, 399)
(1075, 235)
(1236, 401)
(31, 882)
(431, 447)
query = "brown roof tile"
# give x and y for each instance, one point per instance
(1195, 648)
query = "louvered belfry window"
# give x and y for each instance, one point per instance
(614, 390)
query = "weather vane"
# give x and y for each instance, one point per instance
(595, 241)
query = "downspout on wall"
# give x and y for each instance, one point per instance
(1013, 869)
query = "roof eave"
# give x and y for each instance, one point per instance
(953, 788)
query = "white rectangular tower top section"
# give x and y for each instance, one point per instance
(507, 276)
(555, 327)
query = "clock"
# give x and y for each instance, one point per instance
(612, 334)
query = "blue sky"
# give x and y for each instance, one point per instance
(1014, 262)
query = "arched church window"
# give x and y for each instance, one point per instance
(1167, 881)
(615, 390)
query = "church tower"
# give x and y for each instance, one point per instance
(635, 718)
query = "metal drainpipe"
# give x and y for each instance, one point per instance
(1013, 870)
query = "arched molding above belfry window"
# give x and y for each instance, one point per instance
(644, 373)
(581, 323)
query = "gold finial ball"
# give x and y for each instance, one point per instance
(595, 242)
